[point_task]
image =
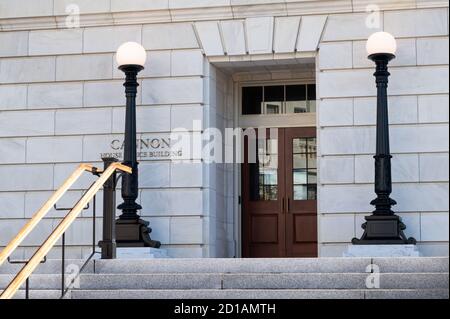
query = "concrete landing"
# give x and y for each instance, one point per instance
(382, 251)
(141, 253)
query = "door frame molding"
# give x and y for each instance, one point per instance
(310, 120)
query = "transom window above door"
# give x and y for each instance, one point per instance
(278, 99)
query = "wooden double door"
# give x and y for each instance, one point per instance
(279, 194)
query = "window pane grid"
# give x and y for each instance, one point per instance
(279, 99)
(305, 169)
(264, 173)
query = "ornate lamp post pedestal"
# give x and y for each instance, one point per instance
(384, 227)
(134, 233)
(384, 230)
(131, 230)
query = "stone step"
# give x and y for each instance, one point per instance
(413, 265)
(322, 265)
(260, 281)
(37, 282)
(261, 294)
(238, 281)
(51, 266)
(335, 281)
(42, 294)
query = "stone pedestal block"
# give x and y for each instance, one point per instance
(382, 251)
(141, 253)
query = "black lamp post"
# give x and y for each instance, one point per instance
(383, 227)
(131, 230)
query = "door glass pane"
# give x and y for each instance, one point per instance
(312, 145)
(268, 193)
(269, 177)
(300, 192)
(304, 168)
(312, 160)
(268, 161)
(300, 176)
(312, 176)
(264, 174)
(300, 161)
(272, 147)
(300, 145)
(312, 192)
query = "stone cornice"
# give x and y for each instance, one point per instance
(255, 8)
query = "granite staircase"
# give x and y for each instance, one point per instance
(324, 278)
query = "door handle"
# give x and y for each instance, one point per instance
(283, 206)
(288, 204)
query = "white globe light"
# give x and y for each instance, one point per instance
(381, 43)
(131, 53)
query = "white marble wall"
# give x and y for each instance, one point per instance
(419, 127)
(219, 188)
(61, 103)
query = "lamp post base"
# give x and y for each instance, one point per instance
(134, 233)
(384, 230)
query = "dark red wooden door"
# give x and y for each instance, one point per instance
(301, 192)
(279, 195)
(263, 201)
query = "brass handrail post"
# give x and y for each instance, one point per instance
(108, 243)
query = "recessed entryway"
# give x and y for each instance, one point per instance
(274, 95)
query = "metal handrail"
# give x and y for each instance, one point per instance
(41, 213)
(32, 264)
(65, 289)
